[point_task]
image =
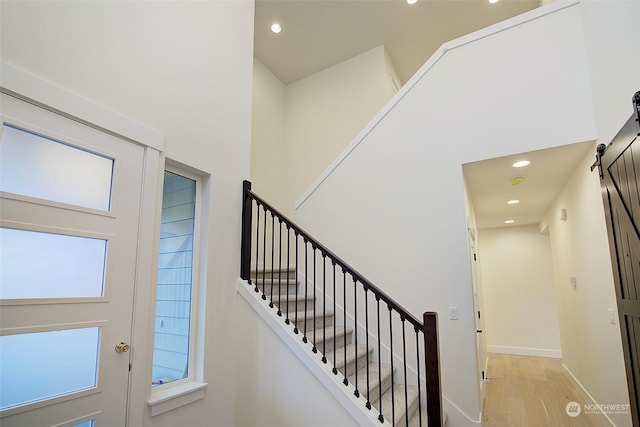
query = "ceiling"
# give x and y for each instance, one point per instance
(317, 34)
(489, 184)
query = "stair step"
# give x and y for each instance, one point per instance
(260, 272)
(399, 404)
(328, 337)
(309, 327)
(272, 290)
(268, 281)
(349, 366)
(291, 300)
(385, 374)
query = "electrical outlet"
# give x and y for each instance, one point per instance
(453, 313)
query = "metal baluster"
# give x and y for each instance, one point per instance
(286, 320)
(295, 322)
(314, 348)
(306, 280)
(366, 334)
(356, 392)
(404, 360)
(344, 312)
(257, 289)
(380, 417)
(335, 370)
(324, 308)
(393, 403)
(279, 266)
(264, 253)
(272, 251)
(418, 363)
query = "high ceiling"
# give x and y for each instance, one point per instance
(317, 34)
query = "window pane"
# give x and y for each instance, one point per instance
(84, 424)
(173, 300)
(43, 265)
(36, 166)
(42, 365)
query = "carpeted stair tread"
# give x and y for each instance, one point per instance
(399, 403)
(309, 327)
(283, 299)
(328, 337)
(268, 281)
(260, 272)
(350, 363)
(385, 374)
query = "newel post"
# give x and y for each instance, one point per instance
(245, 247)
(432, 365)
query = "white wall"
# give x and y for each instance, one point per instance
(273, 399)
(268, 146)
(520, 311)
(319, 116)
(591, 345)
(610, 31)
(183, 68)
(394, 207)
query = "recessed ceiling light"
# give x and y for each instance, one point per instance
(276, 28)
(509, 221)
(412, 1)
(513, 202)
(493, 1)
(521, 163)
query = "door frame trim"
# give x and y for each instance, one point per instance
(38, 91)
(35, 90)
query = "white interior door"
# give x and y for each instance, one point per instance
(69, 212)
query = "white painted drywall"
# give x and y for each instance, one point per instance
(299, 128)
(322, 114)
(611, 34)
(325, 111)
(280, 390)
(394, 207)
(521, 315)
(591, 345)
(268, 146)
(185, 69)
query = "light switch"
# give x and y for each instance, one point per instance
(612, 316)
(453, 313)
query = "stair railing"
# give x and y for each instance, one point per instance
(279, 256)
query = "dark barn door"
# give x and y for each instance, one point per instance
(620, 178)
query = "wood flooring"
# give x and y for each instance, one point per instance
(530, 391)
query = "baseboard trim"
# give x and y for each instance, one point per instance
(525, 351)
(603, 418)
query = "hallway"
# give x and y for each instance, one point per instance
(530, 391)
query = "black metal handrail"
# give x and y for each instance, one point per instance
(428, 327)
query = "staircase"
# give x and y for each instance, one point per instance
(340, 338)
(387, 357)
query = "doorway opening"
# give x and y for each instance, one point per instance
(544, 280)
